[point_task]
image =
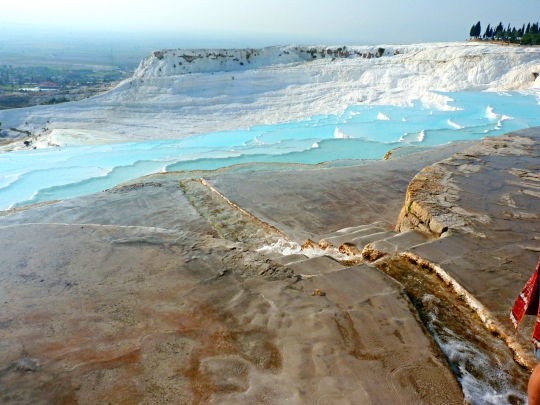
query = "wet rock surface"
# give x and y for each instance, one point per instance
(481, 360)
(230, 221)
(131, 296)
(488, 198)
(472, 219)
(307, 203)
(158, 204)
(152, 292)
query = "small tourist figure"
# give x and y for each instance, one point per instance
(527, 304)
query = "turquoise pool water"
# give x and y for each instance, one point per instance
(360, 132)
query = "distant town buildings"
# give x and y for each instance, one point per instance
(41, 87)
(31, 89)
(49, 86)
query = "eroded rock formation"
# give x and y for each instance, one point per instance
(432, 200)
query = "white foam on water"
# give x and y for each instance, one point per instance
(413, 137)
(465, 357)
(382, 117)
(339, 135)
(490, 113)
(285, 248)
(478, 392)
(454, 125)
(315, 145)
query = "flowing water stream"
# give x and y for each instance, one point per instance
(482, 362)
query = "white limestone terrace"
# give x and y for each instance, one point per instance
(178, 93)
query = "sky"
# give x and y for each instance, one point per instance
(261, 22)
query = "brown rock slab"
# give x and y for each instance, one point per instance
(317, 202)
(160, 205)
(487, 199)
(381, 333)
(125, 315)
(315, 266)
(288, 259)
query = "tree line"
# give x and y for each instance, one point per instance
(526, 35)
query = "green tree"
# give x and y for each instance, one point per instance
(526, 39)
(476, 30)
(472, 32)
(499, 32)
(512, 36)
(487, 33)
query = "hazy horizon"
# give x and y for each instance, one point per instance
(118, 33)
(255, 23)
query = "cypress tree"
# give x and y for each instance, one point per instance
(526, 39)
(472, 31)
(486, 35)
(512, 36)
(526, 34)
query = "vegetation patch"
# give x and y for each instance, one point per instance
(526, 35)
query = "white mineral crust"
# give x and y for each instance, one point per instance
(177, 93)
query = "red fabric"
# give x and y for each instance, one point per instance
(527, 304)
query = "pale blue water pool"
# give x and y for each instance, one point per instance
(360, 132)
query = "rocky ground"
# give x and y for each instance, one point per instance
(485, 203)
(153, 292)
